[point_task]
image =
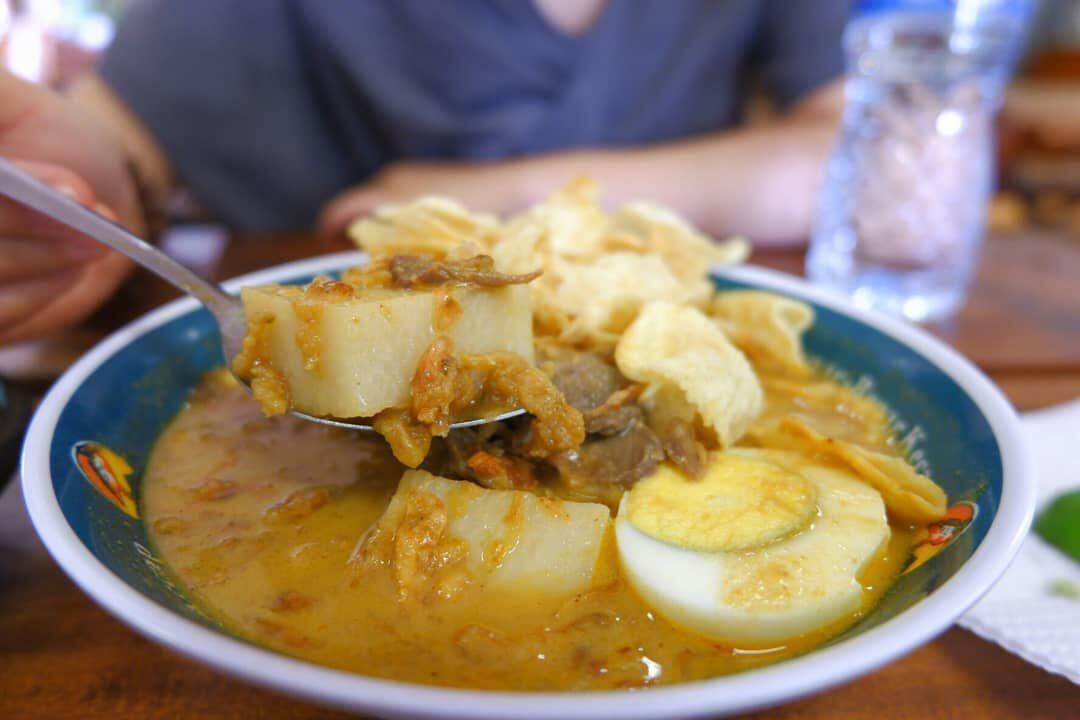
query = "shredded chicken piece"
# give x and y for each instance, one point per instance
(502, 472)
(410, 271)
(409, 439)
(416, 543)
(440, 391)
(445, 386)
(557, 426)
(425, 562)
(435, 386)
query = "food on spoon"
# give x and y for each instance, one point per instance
(444, 383)
(332, 349)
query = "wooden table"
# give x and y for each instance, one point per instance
(61, 656)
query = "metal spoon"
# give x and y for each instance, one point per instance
(227, 310)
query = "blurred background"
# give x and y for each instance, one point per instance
(53, 41)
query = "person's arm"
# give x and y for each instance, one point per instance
(760, 181)
(51, 277)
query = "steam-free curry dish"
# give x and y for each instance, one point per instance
(688, 495)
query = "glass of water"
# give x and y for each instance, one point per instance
(901, 213)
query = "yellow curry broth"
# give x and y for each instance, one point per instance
(261, 519)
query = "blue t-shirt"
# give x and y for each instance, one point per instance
(267, 108)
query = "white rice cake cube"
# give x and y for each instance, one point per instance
(368, 347)
(515, 541)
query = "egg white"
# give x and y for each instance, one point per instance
(783, 589)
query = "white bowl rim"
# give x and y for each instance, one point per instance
(741, 692)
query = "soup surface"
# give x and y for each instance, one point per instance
(259, 518)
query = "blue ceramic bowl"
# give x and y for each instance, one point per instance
(121, 395)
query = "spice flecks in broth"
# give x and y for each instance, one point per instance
(270, 560)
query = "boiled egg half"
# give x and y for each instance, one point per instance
(765, 547)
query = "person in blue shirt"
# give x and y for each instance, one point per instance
(279, 114)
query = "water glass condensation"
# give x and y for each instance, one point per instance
(902, 207)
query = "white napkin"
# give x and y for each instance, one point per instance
(1022, 613)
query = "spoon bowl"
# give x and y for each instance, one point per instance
(228, 312)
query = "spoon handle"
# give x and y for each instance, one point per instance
(25, 189)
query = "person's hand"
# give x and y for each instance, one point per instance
(50, 276)
(499, 187)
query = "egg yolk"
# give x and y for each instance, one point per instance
(738, 504)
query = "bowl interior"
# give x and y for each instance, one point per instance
(126, 401)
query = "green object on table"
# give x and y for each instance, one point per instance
(1059, 524)
(1065, 589)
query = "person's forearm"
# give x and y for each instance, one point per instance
(759, 182)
